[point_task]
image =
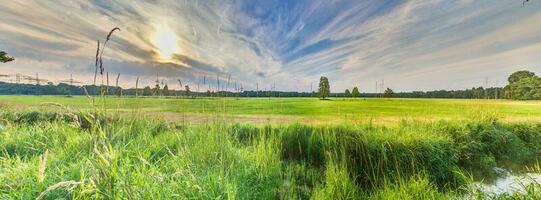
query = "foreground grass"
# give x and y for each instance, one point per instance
(87, 156)
(303, 110)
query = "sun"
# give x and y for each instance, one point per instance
(165, 40)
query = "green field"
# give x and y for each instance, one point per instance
(60, 147)
(289, 110)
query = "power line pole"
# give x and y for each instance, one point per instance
(377, 88)
(382, 87)
(486, 87)
(311, 90)
(273, 88)
(180, 85)
(496, 90)
(205, 82)
(37, 83)
(198, 82)
(217, 84)
(157, 80)
(136, 87)
(228, 80)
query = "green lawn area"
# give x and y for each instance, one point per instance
(297, 109)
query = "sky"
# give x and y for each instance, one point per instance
(408, 45)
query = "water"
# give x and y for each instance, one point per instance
(508, 183)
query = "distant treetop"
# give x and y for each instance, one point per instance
(4, 58)
(324, 87)
(523, 85)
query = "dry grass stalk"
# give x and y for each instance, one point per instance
(67, 184)
(97, 60)
(55, 104)
(107, 87)
(118, 89)
(136, 85)
(86, 92)
(42, 166)
(99, 54)
(68, 110)
(117, 77)
(103, 48)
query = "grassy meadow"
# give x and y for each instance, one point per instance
(121, 148)
(288, 110)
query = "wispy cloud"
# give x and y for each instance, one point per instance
(412, 44)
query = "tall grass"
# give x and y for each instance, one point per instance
(138, 158)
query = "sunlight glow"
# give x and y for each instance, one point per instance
(165, 40)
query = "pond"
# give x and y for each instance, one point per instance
(508, 182)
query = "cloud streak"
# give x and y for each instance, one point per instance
(411, 44)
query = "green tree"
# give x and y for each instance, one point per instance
(147, 91)
(355, 92)
(165, 91)
(347, 93)
(478, 93)
(388, 93)
(523, 85)
(324, 87)
(519, 75)
(188, 92)
(4, 58)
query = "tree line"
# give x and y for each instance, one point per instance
(70, 90)
(522, 85)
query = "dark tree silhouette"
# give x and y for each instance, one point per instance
(347, 93)
(4, 58)
(355, 92)
(165, 91)
(188, 92)
(388, 93)
(147, 91)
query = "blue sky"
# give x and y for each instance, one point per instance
(412, 45)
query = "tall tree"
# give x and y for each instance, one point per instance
(324, 87)
(388, 93)
(188, 92)
(523, 85)
(355, 92)
(4, 58)
(165, 91)
(347, 93)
